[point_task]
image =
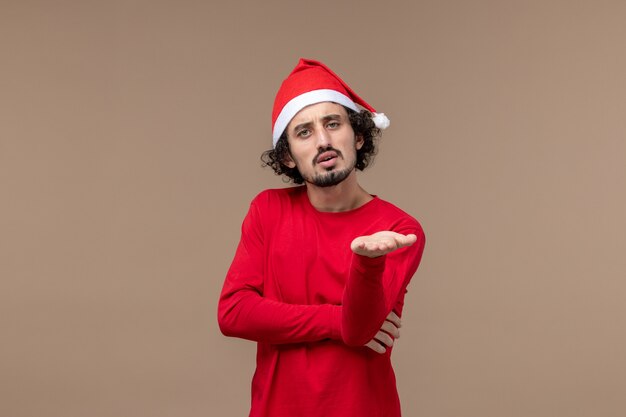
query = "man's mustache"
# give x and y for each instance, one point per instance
(328, 149)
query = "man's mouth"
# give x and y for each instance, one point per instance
(326, 157)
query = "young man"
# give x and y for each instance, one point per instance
(320, 273)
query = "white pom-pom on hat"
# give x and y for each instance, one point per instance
(380, 120)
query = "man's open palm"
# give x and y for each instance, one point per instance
(381, 243)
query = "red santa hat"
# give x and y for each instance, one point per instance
(312, 82)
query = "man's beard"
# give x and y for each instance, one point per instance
(329, 179)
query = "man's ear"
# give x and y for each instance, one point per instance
(288, 161)
(358, 142)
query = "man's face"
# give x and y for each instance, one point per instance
(322, 144)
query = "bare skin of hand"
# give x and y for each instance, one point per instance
(389, 331)
(381, 243)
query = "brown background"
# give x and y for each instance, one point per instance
(130, 133)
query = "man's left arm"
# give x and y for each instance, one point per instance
(382, 266)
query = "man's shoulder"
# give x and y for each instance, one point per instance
(392, 209)
(277, 196)
(398, 216)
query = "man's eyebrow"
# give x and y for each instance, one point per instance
(302, 125)
(331, 117)
(326, 118)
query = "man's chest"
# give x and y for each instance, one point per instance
(308, 261)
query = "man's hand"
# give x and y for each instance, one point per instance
(389, 331)
(381, 243)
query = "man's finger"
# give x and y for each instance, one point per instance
(393, 317)
(375, 346)
(407, 240)
(391, 328)
(384, 338)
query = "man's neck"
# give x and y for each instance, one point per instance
(347, 195)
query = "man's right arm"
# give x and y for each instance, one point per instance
(244, 312)
(247, 314)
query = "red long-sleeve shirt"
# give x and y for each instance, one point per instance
(297, 289)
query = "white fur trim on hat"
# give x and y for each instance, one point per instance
(311, 97)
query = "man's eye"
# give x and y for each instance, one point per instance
(333, 125)
(303, 133)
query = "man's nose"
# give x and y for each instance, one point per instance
(323, 138)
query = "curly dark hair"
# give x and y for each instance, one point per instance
(363, 126)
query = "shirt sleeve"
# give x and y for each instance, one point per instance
(244, 312)
(375, 286)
